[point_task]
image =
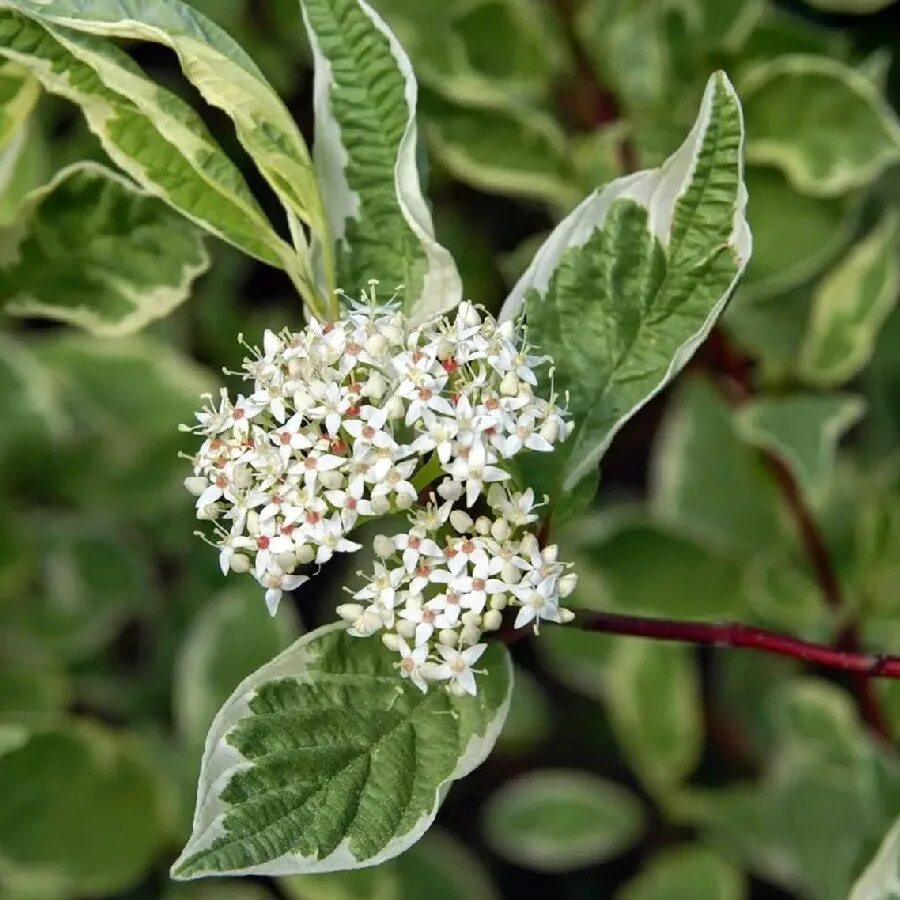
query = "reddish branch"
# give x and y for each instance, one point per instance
(734, 635)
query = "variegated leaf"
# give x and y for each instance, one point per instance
(365, 158)
(629, 284)
(222, 72)
(149, 132)
(324, 759)
(92, 249)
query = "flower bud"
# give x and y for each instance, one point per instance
(196, 484)
(500, 530)
(331, 480)
(468, 314)
(391, 640)
(550, 431)
(483, 525)
(287, 562)
(444, 349)
(499, 601)
(450, 490)
(493, 619)
(414, 601)
(470, 635)
(448, 637)
(240, 563)
(470, 617)
(305, 554)
(567, 584)
(460, 520)
(507, 330)
(456, 689)
(509, 386)
(550, 553)
(510, 574)
(529, 545)
(406, 628)
(350, 612)
(381, 506)
(253, 522)
(565, 615)
(383, 546)
(393, 334)
(404, 501)
(395, 408)
(376, 386)
(209, 512)
(376, 345)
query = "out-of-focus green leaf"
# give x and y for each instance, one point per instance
(93, 250)
(366, 163)
(802, 430)
(850, 306)
(436, 868)
(654, 704)
(795, 235)
(557, 820)
(231, 637)
(707, 482)
(502, 149)
(821, 122)
(728, 25)
(18, 94)
(80, 811)
(632, 281)
(30, 686)
(686, 873)
(90, 581)
(791, 828)
(363, 790)
(528, 722)
(640, 567)
(221, 889)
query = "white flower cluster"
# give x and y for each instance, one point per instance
(440, 586)
(352, 419)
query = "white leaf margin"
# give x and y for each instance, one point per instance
(221, 761)
(658, 191)
(881, 879)
(442, 286)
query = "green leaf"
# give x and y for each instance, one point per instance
(218, 890)
(795, 235)
(728, 25)
(90, 580)
(821, 122)
(93, 250)
(80, 811)
(153, 135)
(654, 705)
(822, 772)
(29, 686)
(220, 70)
(881, 879)
(502, 149)
(850, 306)
(324, 759)
(628, 563)
(528, 722)
(231, 637)
(628, 286)
(436, 868)
(557, 820)
(706, 481)
(686, 873)
(365, 158)
(803, 430)
(18, 94)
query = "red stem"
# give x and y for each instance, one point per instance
(735, 635)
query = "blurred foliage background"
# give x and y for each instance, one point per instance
(763, 487)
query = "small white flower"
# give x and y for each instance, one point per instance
(457, 666)
(411, 662)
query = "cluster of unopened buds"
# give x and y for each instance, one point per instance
(351, 420)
